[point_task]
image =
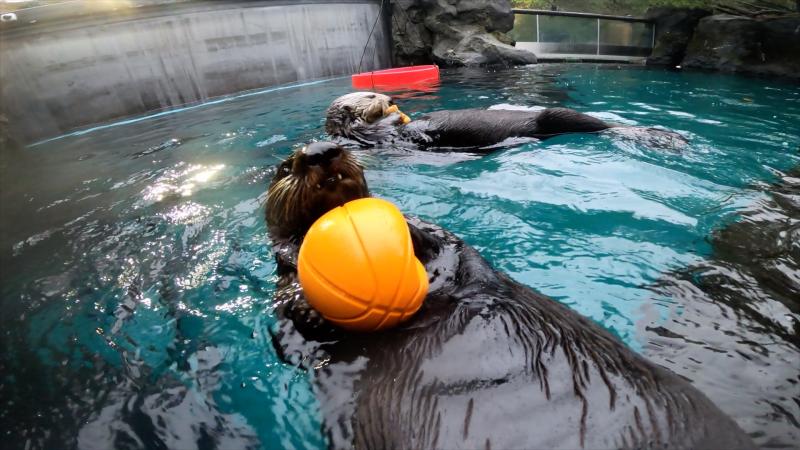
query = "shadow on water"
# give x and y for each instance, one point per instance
(737, 318)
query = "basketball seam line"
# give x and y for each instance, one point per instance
(397, 288)
(333, 286)
(367, 308)
(366, 254)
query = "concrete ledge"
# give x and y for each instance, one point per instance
(571, 57)
(81, 13)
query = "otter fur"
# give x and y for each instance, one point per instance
(369, 118)
(485, 363)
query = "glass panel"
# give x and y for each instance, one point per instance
(625, 38)
(558, 34)
(524, 28)
(579, 35)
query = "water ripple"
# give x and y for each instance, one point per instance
(138, 278)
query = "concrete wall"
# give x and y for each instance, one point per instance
(61, 77)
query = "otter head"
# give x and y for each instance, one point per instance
(311, 182)
(359, 115)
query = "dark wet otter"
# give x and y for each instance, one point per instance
(369, 118)
(739, 326)
(485, 363)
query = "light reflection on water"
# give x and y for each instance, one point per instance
(137, 275)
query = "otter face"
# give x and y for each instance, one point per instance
(311, 182)
(350, 114)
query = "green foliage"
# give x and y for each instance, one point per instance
(638, 7)
(618, 7)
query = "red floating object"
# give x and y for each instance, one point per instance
(397, 77)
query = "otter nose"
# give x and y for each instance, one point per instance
(320, 153)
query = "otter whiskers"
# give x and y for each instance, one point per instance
(282, 199)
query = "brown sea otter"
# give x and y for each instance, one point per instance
(369, 118)
(485, 363)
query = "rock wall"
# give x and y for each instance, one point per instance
(692, 38)
(454, 33)
(762, 46)
(674, 29)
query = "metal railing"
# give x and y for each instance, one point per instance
(571, 35)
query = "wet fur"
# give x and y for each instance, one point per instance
(486, 363)
(295, 198)
(358, 118)
(483, 127)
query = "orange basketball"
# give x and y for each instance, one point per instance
(358, 269)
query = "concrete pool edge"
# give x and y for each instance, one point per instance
(61, 76)
(188, 107)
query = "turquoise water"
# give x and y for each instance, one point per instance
(138, 279)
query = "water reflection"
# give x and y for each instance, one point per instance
(180, 182)
(137, 277)
(736, 318)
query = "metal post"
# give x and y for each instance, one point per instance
(598, 36)
(537, 28)
(653, 42)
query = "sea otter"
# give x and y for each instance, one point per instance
(485, 363)
(369, 118)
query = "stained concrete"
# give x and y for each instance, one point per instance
(63, 76)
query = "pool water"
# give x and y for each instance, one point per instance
(137, 277)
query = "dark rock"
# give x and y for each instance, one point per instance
(462, 33)
(674, 29)
(471, 47)
(411, 42)
(724, 42)
(780, 43)
(760, 46)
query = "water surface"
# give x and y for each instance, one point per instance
(137, 277)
